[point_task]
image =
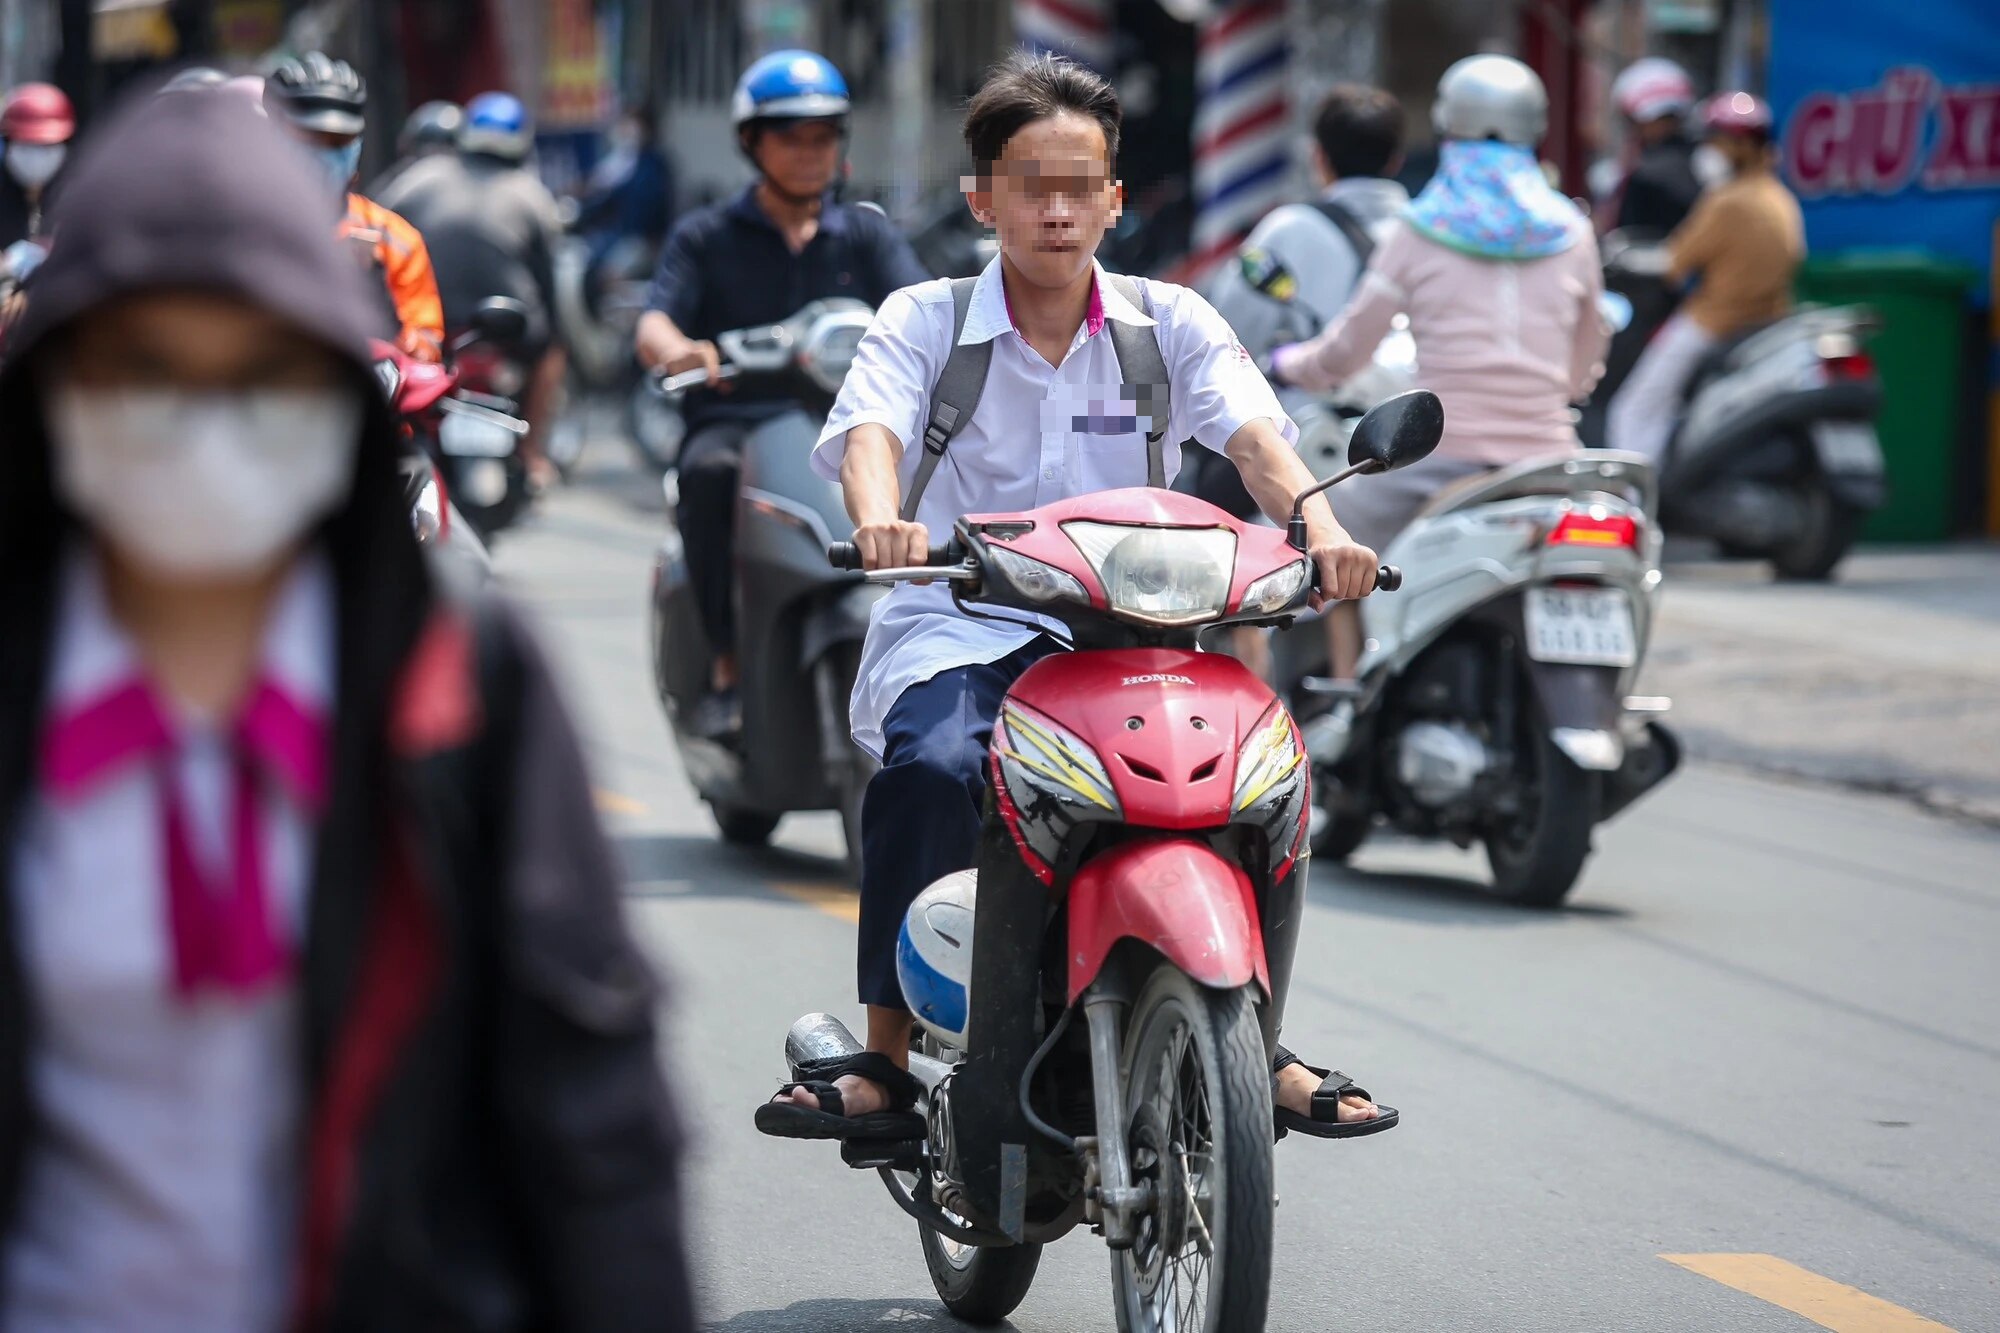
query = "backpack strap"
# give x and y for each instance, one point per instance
(1144, 368)
(1358, 236)
(955, 396)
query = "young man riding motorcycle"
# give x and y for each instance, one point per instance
(1744, 241)
(783, 242)
(325, 102)
(1052, 422)
(1500, 278)
(493, 229)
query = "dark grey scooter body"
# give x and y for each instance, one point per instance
(800, 625)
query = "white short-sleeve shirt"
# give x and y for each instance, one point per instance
(161, 1191)
(1041, 433)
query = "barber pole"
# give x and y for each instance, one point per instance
(1241, 129)
(1079, 29)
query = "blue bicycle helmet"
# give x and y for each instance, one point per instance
(789, 85)
(496, 124)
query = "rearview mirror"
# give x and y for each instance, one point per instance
(1268, 274)
(1397, 432)
(500, 319)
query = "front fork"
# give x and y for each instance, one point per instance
(1111, 1200)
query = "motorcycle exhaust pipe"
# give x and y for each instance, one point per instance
(819, 1037)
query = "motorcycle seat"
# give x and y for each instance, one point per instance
(1718, 359)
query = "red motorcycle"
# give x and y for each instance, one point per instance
(1143, 860)
(470, 432)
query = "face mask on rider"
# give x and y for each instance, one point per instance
(339, 164)
(1711, 165)
(203, 484)
(35, 164)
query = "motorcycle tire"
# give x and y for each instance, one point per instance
(981, 1284)
(1541, 866)
(1230, 1124)
(1832, 525)
(743, 828)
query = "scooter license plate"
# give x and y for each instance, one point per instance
(1847, 447)
(465, 436)
(1583, 626)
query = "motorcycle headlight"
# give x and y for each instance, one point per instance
(1160, 576)
(1052, 779)
(1036, 580)
(390, 377)
(1275, 591)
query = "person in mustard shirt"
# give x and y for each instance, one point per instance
(325, 102)
(1741, 246)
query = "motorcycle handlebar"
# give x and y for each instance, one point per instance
(1388, 578)
(846, 555)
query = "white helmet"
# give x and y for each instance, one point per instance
(934, 957)
(1491, 97)
(1651, 88)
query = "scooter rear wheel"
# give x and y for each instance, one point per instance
(1537, 858)
(743, 828)
(1198, 1105)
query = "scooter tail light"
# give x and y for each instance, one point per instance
(1850, 366)
(1576, 529)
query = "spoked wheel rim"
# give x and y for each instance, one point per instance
(1173, 1151)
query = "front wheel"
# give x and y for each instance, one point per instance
(1198, 1111)
(1828, 533)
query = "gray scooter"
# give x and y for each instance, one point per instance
(800, 623)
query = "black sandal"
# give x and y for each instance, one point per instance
(786, 1120)
(1325, 1122)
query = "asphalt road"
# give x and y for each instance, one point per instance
(1765, 1026)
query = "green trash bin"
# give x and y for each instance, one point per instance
(1919, 352)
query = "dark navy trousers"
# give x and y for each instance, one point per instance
(920, 815)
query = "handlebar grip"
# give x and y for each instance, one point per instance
(846, 555)
(1388, 579)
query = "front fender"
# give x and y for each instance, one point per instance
(1173, 895)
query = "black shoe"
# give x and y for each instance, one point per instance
(718, 717)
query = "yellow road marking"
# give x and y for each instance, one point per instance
(832, 899)
(611, 803)
(1829, 1304)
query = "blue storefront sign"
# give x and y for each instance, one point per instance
(1889, 118)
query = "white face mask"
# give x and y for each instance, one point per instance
(35, 164)
(203, 485)
(1711, 165)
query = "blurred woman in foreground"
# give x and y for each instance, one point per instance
(316, 1008)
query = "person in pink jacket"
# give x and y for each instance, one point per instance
(1500, 278)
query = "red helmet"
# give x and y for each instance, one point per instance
(1737, 113)
(37, 113)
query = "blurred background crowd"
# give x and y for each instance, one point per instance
(1887, 124)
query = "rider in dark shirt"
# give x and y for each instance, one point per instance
(757, 259)
(1655, 97)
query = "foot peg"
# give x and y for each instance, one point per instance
(896, 1154)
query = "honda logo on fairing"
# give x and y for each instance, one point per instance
(1158, 679)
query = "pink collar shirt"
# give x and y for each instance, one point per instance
(161, 877)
